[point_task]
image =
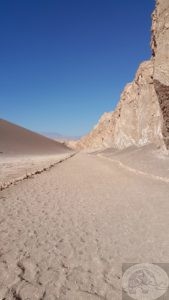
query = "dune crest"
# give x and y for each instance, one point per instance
(16, 140)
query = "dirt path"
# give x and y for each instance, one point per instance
(65, 233)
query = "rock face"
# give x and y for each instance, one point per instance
(142, 115)
(160, 47)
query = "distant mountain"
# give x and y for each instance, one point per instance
(59, 137)
(15, 139)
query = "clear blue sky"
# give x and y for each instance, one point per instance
(65, 62)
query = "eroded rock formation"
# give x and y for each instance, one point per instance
(142, 114)
(160, 46)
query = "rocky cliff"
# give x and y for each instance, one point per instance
(160, 51)
(142, 115)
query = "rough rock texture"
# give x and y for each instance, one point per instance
(142, 115)
(160, 47)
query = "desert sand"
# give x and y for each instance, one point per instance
(147, 160)
(66, 232)
(20, 167)
(24, 153)
(16, 140)
(69, 220)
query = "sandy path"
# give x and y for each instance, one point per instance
(65, 233)
(19, 167)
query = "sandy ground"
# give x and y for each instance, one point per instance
(65, 233)
(147, 160)
(14, 168)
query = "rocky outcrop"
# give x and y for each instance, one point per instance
(160, 47)
(142, 115)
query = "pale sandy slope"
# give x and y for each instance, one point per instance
(23, 152)
(16, 140)
(65, 233)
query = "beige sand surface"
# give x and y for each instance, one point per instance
(16, 168)
(16, 140)
(146, 160)
(65, 233)
(24, 153)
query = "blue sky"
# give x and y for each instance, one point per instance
(63, 63)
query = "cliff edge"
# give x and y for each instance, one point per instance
(142, 114)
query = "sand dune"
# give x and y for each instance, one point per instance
(24, 153)
(16, 140)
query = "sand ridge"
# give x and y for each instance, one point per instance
(16, 169)
(16, 140)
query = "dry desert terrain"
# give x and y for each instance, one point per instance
(66, 232)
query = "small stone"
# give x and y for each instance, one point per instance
(31, 292)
